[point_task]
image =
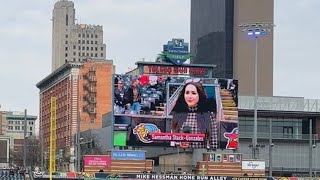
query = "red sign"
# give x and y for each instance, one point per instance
(174, 70)
(185, 137)
(97, 160)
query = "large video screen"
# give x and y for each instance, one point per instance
(175, 111)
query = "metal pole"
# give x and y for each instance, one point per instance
(314, 146)
(25, 140)
(78, 144)
(177, 160)
(255, 150)
(41, 152)
(310, 147)
(270, 148)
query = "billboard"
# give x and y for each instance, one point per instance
(152, 110)
(128, 155)
(176, 51)
(96, 160)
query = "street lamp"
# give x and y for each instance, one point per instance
(25, 140)
(256, 30)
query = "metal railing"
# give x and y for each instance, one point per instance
(280, 103)
(278, 136)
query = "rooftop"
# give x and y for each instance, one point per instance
(280, 103)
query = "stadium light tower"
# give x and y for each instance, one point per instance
(254, 31)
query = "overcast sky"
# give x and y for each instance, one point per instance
(136, 29)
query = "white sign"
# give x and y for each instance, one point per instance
(253, 165)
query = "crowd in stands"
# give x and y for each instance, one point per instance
(12, 173)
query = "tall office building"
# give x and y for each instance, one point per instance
(83, 93)
(216, 39)
(73, 42)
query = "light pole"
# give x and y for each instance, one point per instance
(25, 140)
(270, 148)
(314, 146)
(310, 147)
(256, 30)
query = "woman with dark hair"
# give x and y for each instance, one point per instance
(133, 96)
(192, 113)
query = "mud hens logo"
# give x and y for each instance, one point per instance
(143, 131)
(233, 139)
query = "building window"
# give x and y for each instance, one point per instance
(96, 48)
(83, 41)
(87, 48)
(101, 54)
(17, 122)
(66, 48)
(91, 42)
(83, 35)
(66, 54)
(91, 48)
(10, 127)
(83, 54)
(22, 127)
(96, 35)
(96, 42)
(88, 42)
(92, 120)
(66, 42)
(287, 132)
(74, 53)
(10, 122)
(30, 128)
(30, 133)
(87, 35)
(91, 54)
(79, 47)
(79, 54)
(83, 48)
(79, 35)
(87, 54)
(67, 19)
(95, 55)
(102, 48)
(74, 59)
(66, 35)
(17, 128)
(79, 41)
(74, 47)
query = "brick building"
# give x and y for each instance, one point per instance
(82, 89)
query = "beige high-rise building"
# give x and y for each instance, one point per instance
(215, 38)
(73, 42)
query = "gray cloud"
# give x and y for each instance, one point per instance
(296, 48)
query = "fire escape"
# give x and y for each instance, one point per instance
(90, 93)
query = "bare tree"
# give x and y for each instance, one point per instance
(33, 153)
(92, 145)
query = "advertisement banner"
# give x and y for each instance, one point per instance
(96, 160)
(181, 137)
(253, 165)
(128, 155)
(176, 51)
(160, 111)
(177, 177)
